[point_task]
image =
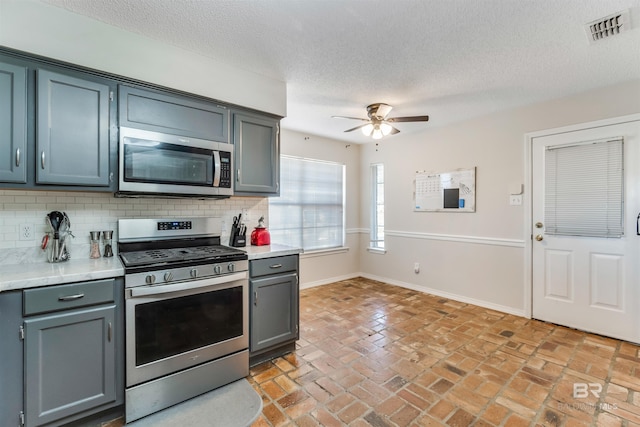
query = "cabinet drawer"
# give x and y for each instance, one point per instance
(277, 265)
(62, 297)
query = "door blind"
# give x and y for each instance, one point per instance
(584, 189)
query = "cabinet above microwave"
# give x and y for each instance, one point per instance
(172, 114)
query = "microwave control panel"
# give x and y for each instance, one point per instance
(225, 169)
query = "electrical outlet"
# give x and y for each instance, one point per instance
(245, 215)
(416, 267)
(515, 199)
(27, 232)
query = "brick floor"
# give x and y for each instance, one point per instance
(372, 354)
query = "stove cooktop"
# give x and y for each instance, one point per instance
(179, 255)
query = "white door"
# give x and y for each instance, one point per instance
(581, 279)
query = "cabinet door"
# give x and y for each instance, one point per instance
(11, 358)
(274, 311)
(148, 110)
(69, 363)
(13, 123)
(257, 154)
(72, 130)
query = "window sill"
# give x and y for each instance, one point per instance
(324, 252)
(377, 250)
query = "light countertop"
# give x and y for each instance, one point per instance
(23, 276)
(270, 251)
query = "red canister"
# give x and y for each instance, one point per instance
(260, 235)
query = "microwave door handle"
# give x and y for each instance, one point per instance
(216, 169)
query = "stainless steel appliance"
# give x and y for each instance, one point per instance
(186, 311)
(153, 163)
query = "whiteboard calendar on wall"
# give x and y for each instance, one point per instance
(453, 191)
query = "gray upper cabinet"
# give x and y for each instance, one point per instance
(173, 114)
(72, 136)
(13, 123)
(257, 154)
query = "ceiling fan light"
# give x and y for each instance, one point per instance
(377, 134)
(367, 129)
(385, 128)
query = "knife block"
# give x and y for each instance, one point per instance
(236, 239)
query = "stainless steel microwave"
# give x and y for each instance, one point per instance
(153, 163)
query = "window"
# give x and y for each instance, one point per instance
(310, 210)
(584, 189)
(377, 206)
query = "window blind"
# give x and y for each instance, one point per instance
(584, 189)
(310, 210)
(377, 206)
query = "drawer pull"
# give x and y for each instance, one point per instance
(255, 298)
(276, 266)
(109, 332)
(71, 297)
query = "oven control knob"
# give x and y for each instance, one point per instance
(168, 276)
(193, 273)
(150, 279)
(217, 269)
(231, 267)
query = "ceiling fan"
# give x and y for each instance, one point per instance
(378, 125)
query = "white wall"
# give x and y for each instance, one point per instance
(56, 33)
(475, 257)
(322, 268)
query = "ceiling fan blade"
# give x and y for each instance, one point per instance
(408, 119)
(356, 128)
(393, 131)
(350, 118)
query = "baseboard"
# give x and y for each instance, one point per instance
(448, 295)
(329, 280)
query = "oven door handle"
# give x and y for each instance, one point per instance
(185, 286)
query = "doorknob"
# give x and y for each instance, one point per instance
(539, 225)
(539, 237)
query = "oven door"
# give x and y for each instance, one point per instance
(151, 162)
(176, 326)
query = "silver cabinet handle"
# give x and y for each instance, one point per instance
(275, 266)
(71, 297)
(109, 332)
(238, 175)
(42, 158)
(17, 157)
(255, 297)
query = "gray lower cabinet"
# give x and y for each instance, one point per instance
(274, 312)
(73, 130)
(73, 352)
(173, 114)
(13, 123)
(257, 154)
(11, 358)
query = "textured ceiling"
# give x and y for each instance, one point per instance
(450, 59)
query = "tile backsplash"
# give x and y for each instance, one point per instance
(100, 211)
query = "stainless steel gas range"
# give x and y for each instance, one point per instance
(186, 305)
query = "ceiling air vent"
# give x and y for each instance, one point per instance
(608, 26)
